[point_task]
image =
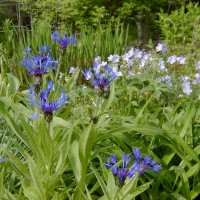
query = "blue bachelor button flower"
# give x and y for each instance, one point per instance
(128, 170)
(44, 104)
(141, 164)
(123, 171)
(112, 159)
(64, 41)
(87, 74)
(101, 81)
(39, 64)
(100, 76)
(137, 154)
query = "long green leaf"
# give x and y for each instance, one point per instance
(36, 179)
(102, 184)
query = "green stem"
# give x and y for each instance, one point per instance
(59, 66)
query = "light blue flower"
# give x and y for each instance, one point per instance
(161, 48)
(196, 81)
(186, 85)
(172, 59)
(181, 60)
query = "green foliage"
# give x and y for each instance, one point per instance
(64, 159)
(180, 26)
(91, 43)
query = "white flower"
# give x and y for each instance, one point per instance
(73, 70)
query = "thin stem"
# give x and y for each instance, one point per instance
(59, 66)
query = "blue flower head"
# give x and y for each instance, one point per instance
(123, 171)
(127, 170)
(64, 41)
(100, 76)
(45, 105)
(142, 163)
(39, 64)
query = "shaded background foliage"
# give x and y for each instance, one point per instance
(140, 15)
(136, 23)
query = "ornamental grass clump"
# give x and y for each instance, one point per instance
(128, 169)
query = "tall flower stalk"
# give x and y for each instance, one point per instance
(64, 42)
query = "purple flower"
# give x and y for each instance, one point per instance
(128, 55)
(181, 60)
(122, 172)
(167, 79)
(161, 64)
(161, 48)
(64, 41)
(101, 81)
(39, 64)
(87, 74)
(186, 85)
(172, 59)
(100, 76)
(196, 81)
(138, 54)
(114, 58)
(141, 164)
(137, 154)
(126, 170)
(198, 65)
(112, 159)
(46, 106)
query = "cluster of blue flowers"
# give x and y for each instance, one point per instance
(38, 65)
(167, 79)
(128, 170)
(101, 75)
